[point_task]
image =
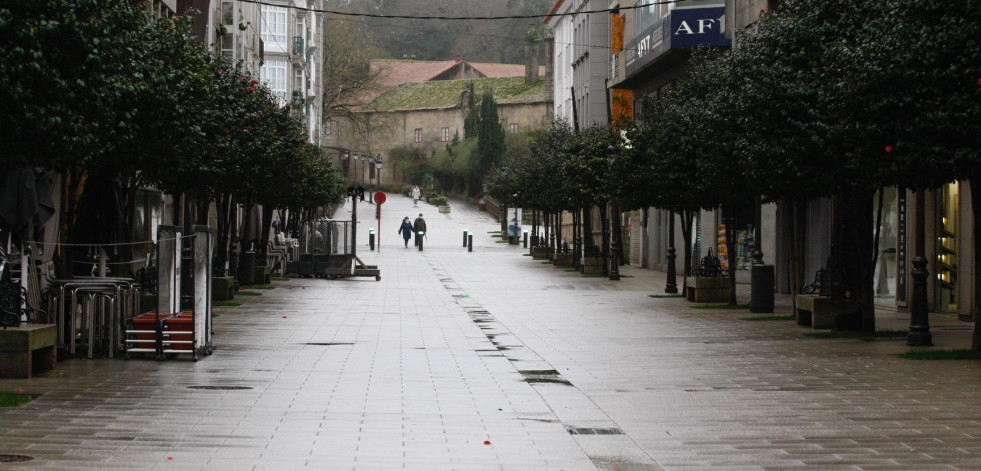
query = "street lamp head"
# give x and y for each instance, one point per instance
(378, 161)
(355, 155)
(345, 155)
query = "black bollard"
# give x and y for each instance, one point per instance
(422, 235)
(470, 243)
(371, 239)
(465, 237)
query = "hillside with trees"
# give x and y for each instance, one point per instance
(497, 41)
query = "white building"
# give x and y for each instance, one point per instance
(291, 34)
(581, 60)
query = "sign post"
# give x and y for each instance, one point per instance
(380, 198)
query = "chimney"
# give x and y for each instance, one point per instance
(456, 59)
(549, 61)
(532, 38)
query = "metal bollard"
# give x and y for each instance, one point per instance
(465, 237)
(371, 239)
(525, 238)
(470, 243)
(422, 236)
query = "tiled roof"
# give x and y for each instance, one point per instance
(446, 94)
(399, 84)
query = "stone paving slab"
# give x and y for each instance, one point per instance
(556, 371)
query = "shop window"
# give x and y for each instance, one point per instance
(946, 250)
(739, 219)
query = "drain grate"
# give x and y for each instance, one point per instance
(544, 376)
(221, 388)
(328, 344)
(594, 431)
(6, 458)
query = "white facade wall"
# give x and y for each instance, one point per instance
(301, 78)
(581, 61)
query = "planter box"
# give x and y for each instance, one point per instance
(27, 348)
(444, 209)
(539, 253)
(708, 290)
(592, 266)
(563, 260)
(222, 288)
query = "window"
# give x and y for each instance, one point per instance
(418, 134)
(513, 127)
(445, 134)
(328, 127)
(274, 24)
(273, 74)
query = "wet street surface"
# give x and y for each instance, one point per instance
(489, 360)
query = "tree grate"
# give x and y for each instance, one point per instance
(594, 431)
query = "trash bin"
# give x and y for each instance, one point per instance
(246, 268)
(761, 288)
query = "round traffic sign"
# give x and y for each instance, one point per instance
(380, 197)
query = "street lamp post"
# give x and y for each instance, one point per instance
(378, 169)
(346, 164)
(919, 325)
(671, 286)
(355, 159)
(364, 161)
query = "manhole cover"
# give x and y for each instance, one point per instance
(221, 388)
(5, 458)
(595, 431)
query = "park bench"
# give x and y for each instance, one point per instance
(708, 283)
(817, 308)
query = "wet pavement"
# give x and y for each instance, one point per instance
(488, 359)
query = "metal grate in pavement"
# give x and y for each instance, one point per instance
(594, 431)
(221, 388)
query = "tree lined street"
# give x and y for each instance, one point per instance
(490, 360)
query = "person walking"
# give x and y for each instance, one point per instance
(406, 230)
(416, 194)
(419, 228)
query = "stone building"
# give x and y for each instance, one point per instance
(422, 105)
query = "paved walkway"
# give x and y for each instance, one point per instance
(490, 360)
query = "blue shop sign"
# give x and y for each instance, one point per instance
(681, 28)
(692, 27)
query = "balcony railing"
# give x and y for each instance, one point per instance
(298, 45)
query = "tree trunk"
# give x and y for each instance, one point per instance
(976, 210)
(605, 237)
(853, 220)
(687, 221)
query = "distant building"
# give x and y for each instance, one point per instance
(422, 105)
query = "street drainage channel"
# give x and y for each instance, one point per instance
(507, 345)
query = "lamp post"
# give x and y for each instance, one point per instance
(345, 159)
(671, 286)
(378, 169)
(355, 159)
(364, 161)
(919, 323)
